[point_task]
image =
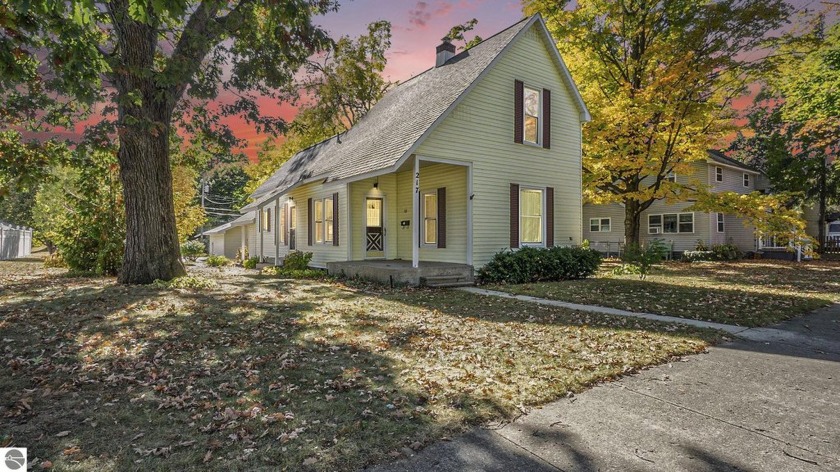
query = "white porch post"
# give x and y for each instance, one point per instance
(261, 229)
(277, 230)
(470, 196)
(347, 234)
(244, 242)
(415, 233)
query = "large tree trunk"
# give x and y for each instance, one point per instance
(632, 221)
(151, 245)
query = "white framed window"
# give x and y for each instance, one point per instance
(600, 225)
(718, 174)
(720, 223)
(319, 221)
(746, 180)
(281, 224)
(671, 177)
(531, 115)
(266, 220)
(429, 209)
(328, 220)
(531, 216)
(671, 223)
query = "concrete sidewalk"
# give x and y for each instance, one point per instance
(769, 402)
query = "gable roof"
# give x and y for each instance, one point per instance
(403, 118)
(244, 219)
(721, 158)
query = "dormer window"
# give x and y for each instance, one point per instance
(531, 114)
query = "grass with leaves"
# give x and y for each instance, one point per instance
(251, 372)
(746, 293)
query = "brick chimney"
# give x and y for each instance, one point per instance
(445, 51)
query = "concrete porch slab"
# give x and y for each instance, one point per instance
(399, 272)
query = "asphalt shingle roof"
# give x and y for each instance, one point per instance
(394, 124)
(719, 157)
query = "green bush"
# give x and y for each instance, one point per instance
(283, 272)
(192, 249)
(187, 282)
(251, 262)
(644, 258)
(297, 260)
(727, 252)
(530, 264)
(698, 256)
(217, 261)
(54, 261)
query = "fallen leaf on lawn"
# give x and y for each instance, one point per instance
(62, 434)
(46, 465)
(208, 456)
(309, 461)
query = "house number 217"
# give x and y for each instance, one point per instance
(417, 182)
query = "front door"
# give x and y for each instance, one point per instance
(374, 229)
(292, 224)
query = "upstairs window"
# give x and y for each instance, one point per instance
(531, 103)
(671, 177)
(718, 174)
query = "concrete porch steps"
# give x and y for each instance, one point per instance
(447, 281)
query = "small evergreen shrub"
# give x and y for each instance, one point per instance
(251, 262)
(644, 258)
(217, 261)
(192, 249)
(530, 264)
(297, 260)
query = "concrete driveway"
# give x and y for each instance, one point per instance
(769, 403)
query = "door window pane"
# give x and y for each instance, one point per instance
(374, 212)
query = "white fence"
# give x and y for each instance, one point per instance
(15, 242)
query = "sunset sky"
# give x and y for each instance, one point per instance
(417, 27)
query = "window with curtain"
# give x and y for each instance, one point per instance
(430, 209)
(319, 221)
(328, 220)
(531, 114)
(531, 213)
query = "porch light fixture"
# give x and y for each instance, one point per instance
(376, 185)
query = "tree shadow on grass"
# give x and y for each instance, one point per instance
(234, 378)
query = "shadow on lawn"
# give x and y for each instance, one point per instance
(139, 381)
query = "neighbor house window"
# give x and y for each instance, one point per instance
(319, 221)
(430, 218)
(671, 176)
(671, 223)
(531, 104)
(718, 174)
(720, 223)
(746, 180)
(531, 216)
(600, 225)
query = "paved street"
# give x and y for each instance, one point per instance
(769, 402)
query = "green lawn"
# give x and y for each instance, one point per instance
(749, 293)
(265, 374)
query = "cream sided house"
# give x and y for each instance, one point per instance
(478, 154)
(679, 228)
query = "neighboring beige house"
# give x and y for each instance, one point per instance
(231, 238)
(478, 154)
(672, 222)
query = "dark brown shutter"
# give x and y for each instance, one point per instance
(514, 216)
(310, 224)
(549, 217)
(518, 119)
(335, 219)
(441, 217)
(546, 110)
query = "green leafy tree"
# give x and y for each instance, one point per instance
(154, 64)
(456, 33)
(658, 78)
(339, 90)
